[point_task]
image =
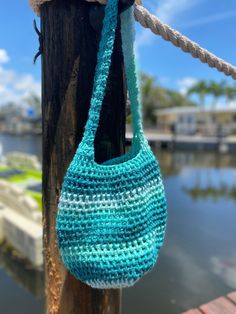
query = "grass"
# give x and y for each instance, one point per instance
(37, 174)
(25, 176)
(4, 168)
(37, 197)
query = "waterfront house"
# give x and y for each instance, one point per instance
(19, 120)
(193, 120)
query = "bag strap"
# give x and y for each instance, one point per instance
(128, 39)
(102, 71)
(100, 79)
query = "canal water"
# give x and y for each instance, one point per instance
(198, 261)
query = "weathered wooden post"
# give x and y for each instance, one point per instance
(70, 45)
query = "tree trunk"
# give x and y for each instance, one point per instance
(70, 47)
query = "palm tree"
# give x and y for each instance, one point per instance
(201, 90)
(230, 93)
(216, 90)
(178, 100)
(149, 98)
(155, 97)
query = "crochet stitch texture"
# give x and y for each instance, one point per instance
(111, 217)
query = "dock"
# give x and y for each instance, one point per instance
(188, 142)
(21, 223)
(222, 305)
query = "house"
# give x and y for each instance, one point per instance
(19, 120)
(192, 120)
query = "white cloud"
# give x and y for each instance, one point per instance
(28, 83)
(232, 104)
(4, 58)
(167, 11)
(6, 76)
(209, 19)
(15, 87)
(185, 83)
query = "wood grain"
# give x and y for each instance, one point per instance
(219, 306)
(222, 305)
(193, 311)
(232, 297)
(69, 57)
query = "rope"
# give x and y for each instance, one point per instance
(148, 20)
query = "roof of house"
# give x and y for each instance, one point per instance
(192, 110)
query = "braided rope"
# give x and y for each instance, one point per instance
(148, 20)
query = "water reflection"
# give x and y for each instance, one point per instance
(198, 261)
(225, 268)
(21, 287)
(173, 163)
(212, 175)
(215, 193)
(22, 272)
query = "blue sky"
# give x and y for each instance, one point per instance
(211, 23)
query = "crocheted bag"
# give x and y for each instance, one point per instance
(112, 216)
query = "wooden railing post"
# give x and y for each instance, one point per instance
(69, 58)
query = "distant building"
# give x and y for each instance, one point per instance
(193, 120)
(17, 120)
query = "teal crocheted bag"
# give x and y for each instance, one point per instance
(111, 217)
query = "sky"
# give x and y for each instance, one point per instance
(211, 23)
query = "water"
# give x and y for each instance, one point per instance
(26, 144)
(198, 261)
(21, 287)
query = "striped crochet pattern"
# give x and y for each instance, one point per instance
(111, 217)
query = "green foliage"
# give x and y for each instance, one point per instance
(155, 97)
(35, 175)
(201, 89)
(26, 175)
(4, 168)
(230, 92)
(10, 109)
(37, 197)
(213, 89)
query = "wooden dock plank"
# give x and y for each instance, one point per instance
(193, 311)
(232, 296)
(219, 306)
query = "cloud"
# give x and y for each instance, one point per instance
(167, 11)
(4, 58)
(15, 87)
(209, 19)
(232, 104)
(189, 270)
(27, 83)
(185, 83)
